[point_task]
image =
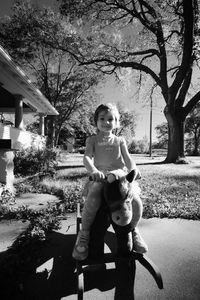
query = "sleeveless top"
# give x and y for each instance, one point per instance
(106, 152)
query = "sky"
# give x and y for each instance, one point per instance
(111, 91)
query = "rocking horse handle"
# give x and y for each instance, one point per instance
(102, 180)
(133, 175)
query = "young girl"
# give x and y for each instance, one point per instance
(106, 155)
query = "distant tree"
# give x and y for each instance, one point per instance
(139, 146)
(128, 121)
(192, 129)
(158, 39)
(85, 125)
(67, 86)
(162, 135)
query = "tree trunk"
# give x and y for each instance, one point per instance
(176, 149)
(51, 131)
(196, 144)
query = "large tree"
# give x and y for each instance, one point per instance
(192, 132)
(66, 85)
(155, 38)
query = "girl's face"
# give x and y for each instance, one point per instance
(106, 121)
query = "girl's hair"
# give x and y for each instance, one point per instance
(107, 107)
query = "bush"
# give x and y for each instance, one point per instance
(139, 147)
(7, 196)
(32, 161)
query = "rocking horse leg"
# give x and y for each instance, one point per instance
(126, 266)
(80, 279)
(152, 268)
(122, 234)
(125, 279)
(124, 239)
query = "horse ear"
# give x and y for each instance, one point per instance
(130, 176)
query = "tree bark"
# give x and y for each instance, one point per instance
(175, 137)
(51, 131)
(196, 143)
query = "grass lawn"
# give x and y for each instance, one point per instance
(168, 190)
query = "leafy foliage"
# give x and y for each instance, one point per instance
(29, 35)
(162, 135)
(192, 128)
(7, 196)
(140, 146)
(31, 161)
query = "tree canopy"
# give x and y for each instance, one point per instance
(66, 85)
(156, 39)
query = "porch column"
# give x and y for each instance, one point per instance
(19, 112)
(41, 125)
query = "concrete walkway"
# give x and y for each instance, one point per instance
(174, 246)
(11, 229)
(35, 201)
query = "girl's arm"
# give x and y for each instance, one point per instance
(94, 172)
(129, 162)
(89, 164)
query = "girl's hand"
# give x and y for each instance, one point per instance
(97, 176)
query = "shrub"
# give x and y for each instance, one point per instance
(140, 146)
(32, 161)
(7, 197)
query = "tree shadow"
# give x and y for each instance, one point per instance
(61, 280)
(151, 163)
(196, 167)
(69, 167)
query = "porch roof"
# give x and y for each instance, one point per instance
(15, 83)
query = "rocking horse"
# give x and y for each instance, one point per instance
(115, 210)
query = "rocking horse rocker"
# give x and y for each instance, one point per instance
(116, 209)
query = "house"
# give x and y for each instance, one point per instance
(18, 96)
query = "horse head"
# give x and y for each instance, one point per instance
(118, 196)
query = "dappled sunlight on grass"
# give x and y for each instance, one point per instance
(171, 190)
(71, 174)
(168, 190)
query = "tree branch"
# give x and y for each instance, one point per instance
(193, 101)
(183, 91)
(187, 47)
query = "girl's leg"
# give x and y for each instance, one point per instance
(91, 205)
(137, 207)
(139, 244)
(98, 231)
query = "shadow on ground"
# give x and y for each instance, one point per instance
(19, 279)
